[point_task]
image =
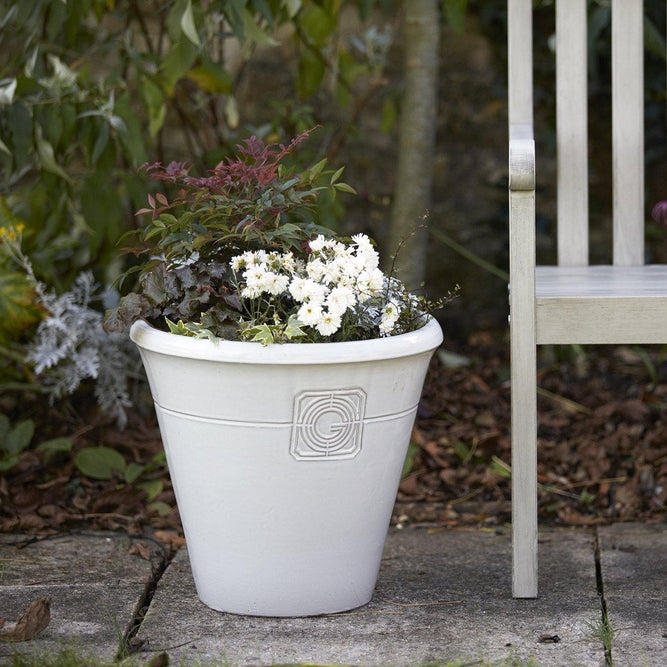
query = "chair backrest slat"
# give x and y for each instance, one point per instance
(520, 61)
(628, 131)
(572, 124)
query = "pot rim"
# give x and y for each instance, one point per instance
(424, 339)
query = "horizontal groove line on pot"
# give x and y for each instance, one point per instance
(272, 424)
(416, 342)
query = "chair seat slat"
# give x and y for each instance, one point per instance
(601, 281)
(601, 304)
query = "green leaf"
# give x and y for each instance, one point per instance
(153, 488)
(160, 508)
(336, 175)
(499, 466)
(232, 112)
(133, 472)
(317, 23)
(7, 90)
(19, 309)
(19, 437)
(212, 78)
(160, 458)
(654, 42)
(99, 462)
(180, 329)
(56, 445)
(100, 143)
(101, 207)
(8, 463)
(19, 122)
(254, 33)
(188, 25)
(293, 328)
(178, 63)
(133, 138)
(413, 448)
(293, 7)
(310, 74)
(47, 158)
(316, 170)
(233, 11)
(263, 334)
(455, 14)
(155, 104)
(344, 187)
(389, 116)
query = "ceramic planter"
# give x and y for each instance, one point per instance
(285, 461)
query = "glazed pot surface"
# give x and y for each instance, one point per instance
(285, 461)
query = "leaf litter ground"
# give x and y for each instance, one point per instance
(602, 450)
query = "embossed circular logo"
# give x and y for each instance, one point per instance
(328, 424)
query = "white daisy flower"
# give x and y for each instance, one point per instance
(328, 323)
(388, 319)
(309, 313)
(275, 283)
(340, 299)
(314, 291)
(316, 269)
(317, 243)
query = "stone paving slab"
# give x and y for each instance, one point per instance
(93, 582)
(633, 559)
(440, 596)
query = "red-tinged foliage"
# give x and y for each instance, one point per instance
(254, 168)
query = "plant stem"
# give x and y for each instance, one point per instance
(469, 255)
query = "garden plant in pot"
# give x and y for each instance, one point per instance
(286, 382)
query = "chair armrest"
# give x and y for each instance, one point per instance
(522, 158)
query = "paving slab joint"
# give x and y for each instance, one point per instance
(129, 643)
(605, 631)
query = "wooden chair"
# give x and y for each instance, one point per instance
(572, 302)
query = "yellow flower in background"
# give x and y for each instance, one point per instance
(11, 233)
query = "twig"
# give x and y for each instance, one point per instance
(469, 255)
(568, 404)
(363, 613)
(423, 604)
(591, 482)
(164, 649)
(468, 496)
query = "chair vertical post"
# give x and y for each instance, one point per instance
(520, 61)
(572, 135)
(522, 299)
(523, 394)
(627, 73)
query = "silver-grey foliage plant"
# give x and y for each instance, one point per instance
(71, 346)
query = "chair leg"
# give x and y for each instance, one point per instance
(524, 471)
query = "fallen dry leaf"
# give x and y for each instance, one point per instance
(35, 618)
(170, 539)
(142, 549)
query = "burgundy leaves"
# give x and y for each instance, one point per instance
(254, 168)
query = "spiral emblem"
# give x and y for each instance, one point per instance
(328, 424)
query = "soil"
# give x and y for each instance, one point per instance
(602, 449)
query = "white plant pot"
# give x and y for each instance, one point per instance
(285, 461)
